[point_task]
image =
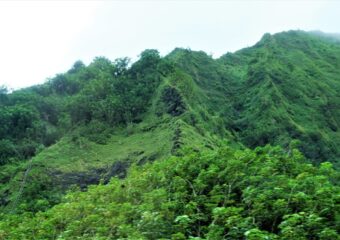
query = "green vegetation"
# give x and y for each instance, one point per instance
(292, 92)
(186, 141)
(260, 194)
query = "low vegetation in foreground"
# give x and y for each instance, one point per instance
(266, 193)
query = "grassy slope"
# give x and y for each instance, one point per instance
(69, 156)
(290, 91)
(69, 162)
(285, 87)
(75, 160)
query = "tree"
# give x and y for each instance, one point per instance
(3, 95)
(77, 66)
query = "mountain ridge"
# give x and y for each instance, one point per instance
(93, 122)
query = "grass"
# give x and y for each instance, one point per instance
(83, 155)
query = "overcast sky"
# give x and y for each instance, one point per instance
(41, 38)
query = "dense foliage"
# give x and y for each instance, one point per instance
(285, 87)
(104, 91)
(293, 92)
(93, 122)
(85, 102)
(262, 194)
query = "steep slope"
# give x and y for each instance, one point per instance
(290, 91)
(285, 87)
(98, 120)
(91, 123)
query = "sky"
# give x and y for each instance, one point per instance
(39, 39)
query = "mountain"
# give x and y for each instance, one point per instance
(291, 91)
(185, 130)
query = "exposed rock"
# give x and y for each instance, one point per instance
(173, 100)
(91, 177)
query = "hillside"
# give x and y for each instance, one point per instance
(291, 90)
(184, 123)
